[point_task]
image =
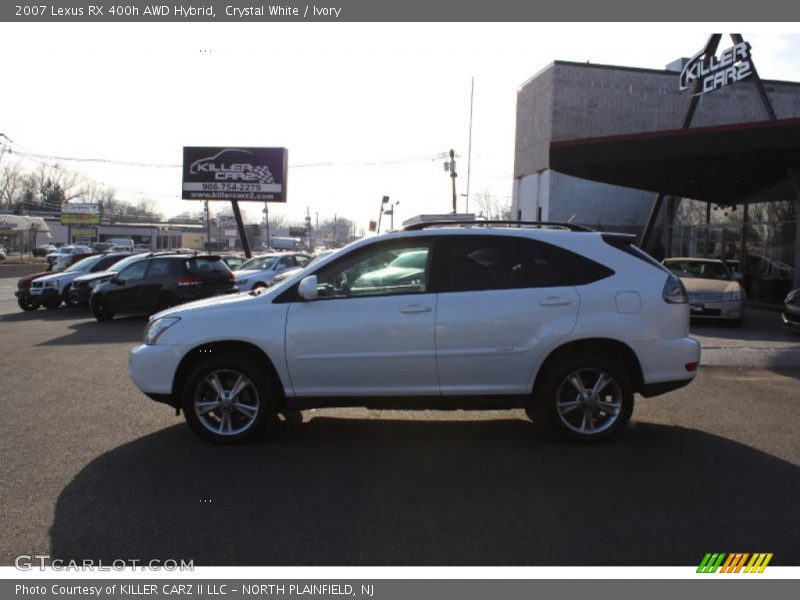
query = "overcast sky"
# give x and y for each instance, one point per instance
(364, 109)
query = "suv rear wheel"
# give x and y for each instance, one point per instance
(587, 398)
(226, 399)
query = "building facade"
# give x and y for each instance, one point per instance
(569, 102)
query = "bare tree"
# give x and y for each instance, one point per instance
(492, 207)
(11, 182)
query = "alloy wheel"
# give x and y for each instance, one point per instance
(589, 401)
(226, 402)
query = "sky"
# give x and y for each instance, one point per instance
(365, 109)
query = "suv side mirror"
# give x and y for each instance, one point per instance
(307, 289)
(117, 281)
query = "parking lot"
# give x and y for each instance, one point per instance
(94, 469)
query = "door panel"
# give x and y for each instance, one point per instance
(488, 341)
(363, 346)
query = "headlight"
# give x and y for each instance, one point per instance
(793, 297)
(735, 296)
(241, 282)
(50, 284)
(156, 328)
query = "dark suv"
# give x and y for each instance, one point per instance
(160, 281)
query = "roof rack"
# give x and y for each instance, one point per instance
(570, 226)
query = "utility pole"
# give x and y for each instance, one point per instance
(384, 200)
(208, 228)
(469, 151)
(266, 220)
(453, 176)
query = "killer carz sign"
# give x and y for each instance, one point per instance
(732, 65)
(234, 173)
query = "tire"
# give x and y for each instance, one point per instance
(67, 300)
(99, 310)
(210, 405)
(737, 322)
(27, 303)
(259, 285)
(581, 416)
(51, 304)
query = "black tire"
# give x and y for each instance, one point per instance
(585, 418)
(52, 304)
(27, 303)
(100, 310)
(737, 322)
(67, 300)
(259, 285)
(243, 414)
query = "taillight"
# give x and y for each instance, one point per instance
(674, 292)
(184, 281)
(231, 276)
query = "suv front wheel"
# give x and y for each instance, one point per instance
(587, 398)
(226, 399)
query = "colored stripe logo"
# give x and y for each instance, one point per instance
(736, 562)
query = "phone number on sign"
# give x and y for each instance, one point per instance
(232, 187)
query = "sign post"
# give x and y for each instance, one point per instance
(234, 174)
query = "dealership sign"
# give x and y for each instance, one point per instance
(229, 173)
(734, 64)
(80, 213)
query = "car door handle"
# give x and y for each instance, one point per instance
(555, 301)
(415, 308)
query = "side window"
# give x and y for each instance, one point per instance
(134, 272)
(551, 266)
(301, 260)
(378, 271)
(483, 262)
(285, 263)
(159, 268)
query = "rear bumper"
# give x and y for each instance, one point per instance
(667, 363)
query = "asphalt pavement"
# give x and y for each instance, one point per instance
(94, 469)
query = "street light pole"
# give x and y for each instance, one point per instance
(208, 229)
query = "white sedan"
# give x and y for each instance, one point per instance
(713, 291)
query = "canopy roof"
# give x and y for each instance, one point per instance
(725, 164)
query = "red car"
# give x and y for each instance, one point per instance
(23, 293)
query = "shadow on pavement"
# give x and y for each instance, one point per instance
(389, 492)
(62, 313)
(130, 329)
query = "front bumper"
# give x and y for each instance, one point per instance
(791, 315)
(152, 369)
(716, 310)
(80, 295)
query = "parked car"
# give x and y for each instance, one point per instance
(81, 289)
(102, 246)
(259, 271)
(65, 250)
(287, 273)
(51, 290)
(25, 299)
(44, 250)
(2, 253)
(566, 324)
(791, 309)
(714, 293)
(234, 261)
(159, 281)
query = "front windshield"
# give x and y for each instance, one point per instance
(118, 266)
(61, 263)
(64, 249)
(699, 269)
(258, 263)
(85, 264)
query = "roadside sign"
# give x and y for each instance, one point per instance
(80, 219)
(233, 173)
(297, 231)
(85, 232)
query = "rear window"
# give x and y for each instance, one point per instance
(205, 265)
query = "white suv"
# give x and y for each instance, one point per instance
(566, 324)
